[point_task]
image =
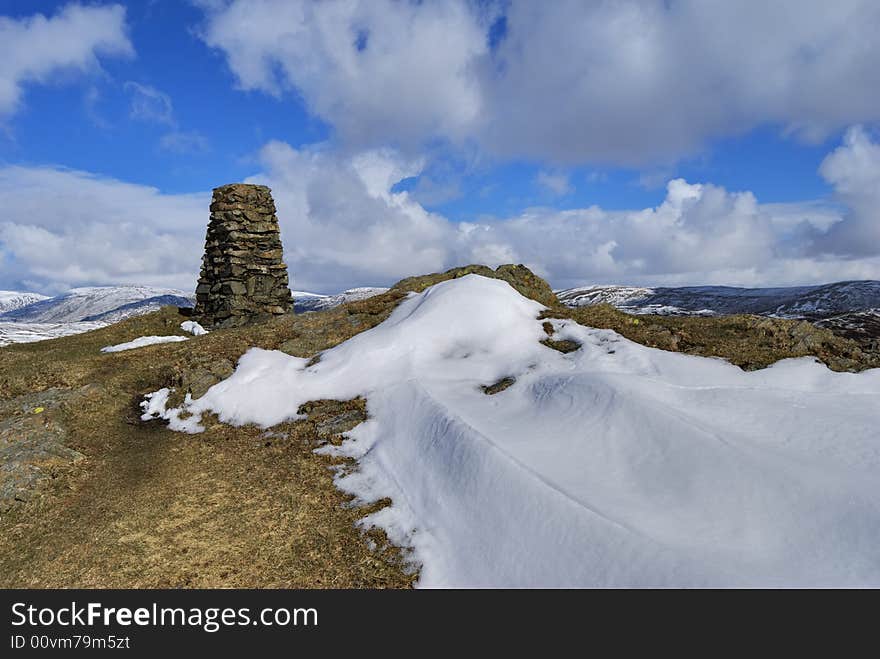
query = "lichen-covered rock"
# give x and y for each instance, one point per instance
(195, 379)
(243, 277)
(33, 446)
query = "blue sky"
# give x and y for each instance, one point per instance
(429, 125)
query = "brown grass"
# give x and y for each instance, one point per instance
(149, 508)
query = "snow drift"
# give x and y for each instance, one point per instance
(614, 465)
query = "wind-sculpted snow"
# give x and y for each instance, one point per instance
(613, 465)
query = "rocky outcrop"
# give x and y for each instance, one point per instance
(33, 448)
(525, 281)
(243, 278)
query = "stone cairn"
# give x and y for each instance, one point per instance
(243, 278)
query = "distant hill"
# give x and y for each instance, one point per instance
(12, 300)
(97, 303)
(810, 302)
(304, 302)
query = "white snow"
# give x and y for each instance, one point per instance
(12, 300)
(305, 302)
(615, 465)
(142, 341)
(154, 407)
(790, 302)
(97, 303)
(193, 328)
(31, 332)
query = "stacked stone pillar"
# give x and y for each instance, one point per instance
(243, 278)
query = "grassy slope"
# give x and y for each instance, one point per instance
(232, 506)
(152, 508)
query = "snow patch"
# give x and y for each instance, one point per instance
(193, 328)
(142, 341)
(154, 407)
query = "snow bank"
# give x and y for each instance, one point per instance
(193, 328)
(142, 341)
(615, 465)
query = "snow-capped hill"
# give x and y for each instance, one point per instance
(33, 332)
(796, 302)
(304, 301)
(586, 296)
(862, 326)
(833, 299)
(98, 303)
(12, 300)
(140, 307)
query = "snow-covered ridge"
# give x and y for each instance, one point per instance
(11, 300)
(614, 465)
(304, 302)
(28, 317)
(98, 303)
(794, 302)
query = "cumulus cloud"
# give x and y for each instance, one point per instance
(853, 169)
(63, 228)
(341, 223)
(344, 223)
(35, 48)
(630, 83)
(380, 72)
(700, 233)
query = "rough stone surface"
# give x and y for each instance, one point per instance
(195, 379)
(243, 277)
(32, 444)
(520, 277)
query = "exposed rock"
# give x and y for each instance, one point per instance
(519, 276)
(32, 443)
(527, 283)
(339, 423)
(196, 379)
(564, 346)
(331, 418)
(243, 277)
(501, 385)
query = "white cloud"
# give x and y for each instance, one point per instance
(555, 183)
(186, 141)
(344, 225)
(853, 169)
(340, 222)
(381, 72)
(64, 228)
(630, 83)
(35, 48)
(155, 106)
(149, 104)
